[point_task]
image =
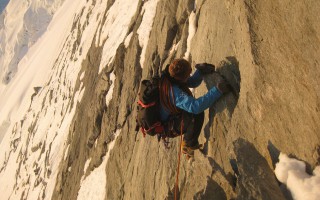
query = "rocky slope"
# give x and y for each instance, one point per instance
(268, 50)
(272, 51)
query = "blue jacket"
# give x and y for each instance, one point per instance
(188, 103)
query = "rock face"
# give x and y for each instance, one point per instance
(270, 51)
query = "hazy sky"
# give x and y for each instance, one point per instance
(3, 4)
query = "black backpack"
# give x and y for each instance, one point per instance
(148, 109)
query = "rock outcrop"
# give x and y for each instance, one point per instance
(270, 51)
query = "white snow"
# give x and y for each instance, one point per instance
(86, 165)
(94, 186)
(174, 48)
(115, 29)
(14, 96)
(82, 76)
(149, 11)
(19, 31)
(292, 173)
(110, 91)
(128, 39)
(66, 152)
(45, 122)
(192, 31)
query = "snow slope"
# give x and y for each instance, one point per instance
(37, 104)
(37, 130)
(15, 45)
(22, 24)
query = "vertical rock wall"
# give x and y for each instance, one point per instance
(270, 52)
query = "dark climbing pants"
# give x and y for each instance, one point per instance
(192, 125)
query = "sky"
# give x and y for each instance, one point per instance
(3, 4)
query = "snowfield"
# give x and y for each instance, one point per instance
(37, 101)
(38, 121)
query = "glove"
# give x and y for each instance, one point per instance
(223, 86)
(205, 68)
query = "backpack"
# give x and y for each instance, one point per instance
(148, 108)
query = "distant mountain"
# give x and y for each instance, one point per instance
(21, 30)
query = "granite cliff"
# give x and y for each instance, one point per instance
(272, 48)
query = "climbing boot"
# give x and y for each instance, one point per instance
(189, 151)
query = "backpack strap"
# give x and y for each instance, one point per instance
(165, 97)
(146, 105)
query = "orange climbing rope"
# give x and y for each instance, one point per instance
(179, 158)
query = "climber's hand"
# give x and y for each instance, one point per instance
(205, 68)
(223, 86)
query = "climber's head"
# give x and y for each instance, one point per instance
(180, 69)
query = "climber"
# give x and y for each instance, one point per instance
(178, 106)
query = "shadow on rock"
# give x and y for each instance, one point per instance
(228, 69)
(231, 178)
(212, 191)
(274, 153)
(172, 193)
(256, 179)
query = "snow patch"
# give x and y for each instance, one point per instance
(94, 185)
(192, 31)
(81, 92)
(149, 11)
(128, 39)
(174, 48)
(115, 28)
(66, 152)
(110, 91)
(82, 75)
(86, 165)
(292, 173)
